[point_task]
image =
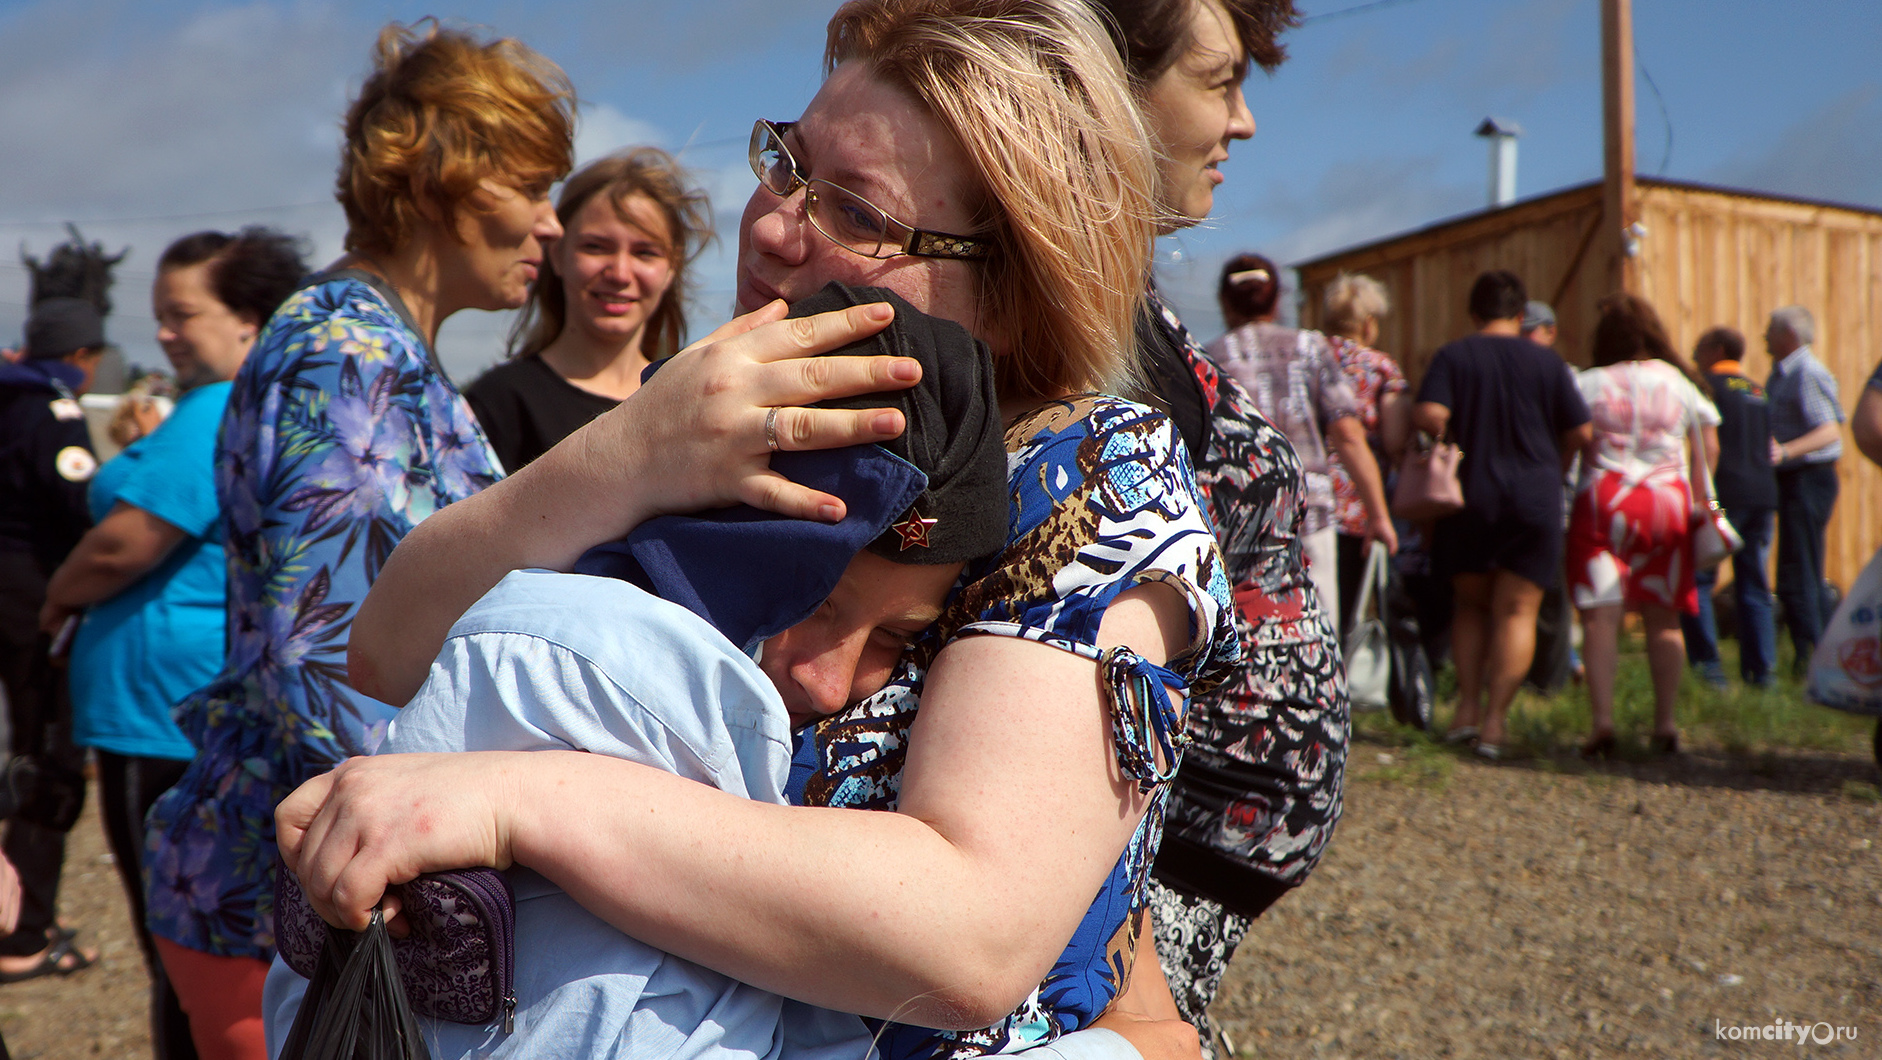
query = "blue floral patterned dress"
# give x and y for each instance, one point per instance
(1103, 499)
(341, 434)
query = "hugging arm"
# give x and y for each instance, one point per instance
(694, 437)
(945, 913)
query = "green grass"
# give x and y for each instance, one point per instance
(1413, 759)
(1861, 791)
(1739, 720)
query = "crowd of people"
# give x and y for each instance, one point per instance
(811, 678)
(1579, 487)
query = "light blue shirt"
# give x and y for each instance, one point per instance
(550, 661)
(161, 638)
(1802, 396)
(564, 661)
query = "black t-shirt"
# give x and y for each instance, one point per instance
(1510, 400)
(1745, 477)
(526, 408)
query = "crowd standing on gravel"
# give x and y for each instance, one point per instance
(1193, 525)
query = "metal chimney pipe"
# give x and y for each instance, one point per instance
(1502, 136)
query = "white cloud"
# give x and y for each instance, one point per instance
(602, 130)
(144, 126)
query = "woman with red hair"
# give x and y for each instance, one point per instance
(342, 432)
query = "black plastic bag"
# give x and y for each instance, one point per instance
(1412, 689)
(355, 1007)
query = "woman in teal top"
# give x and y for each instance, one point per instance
(150, 577)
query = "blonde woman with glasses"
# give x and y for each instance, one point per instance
(967, 855)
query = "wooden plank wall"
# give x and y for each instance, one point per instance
(1713, 258)
(1709, 258)
(1428, 274)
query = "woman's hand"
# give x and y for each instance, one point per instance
(694, 437)
(135, 417)
(53, 616)
(350, 834)
(701, 421)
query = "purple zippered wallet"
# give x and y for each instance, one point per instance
(458, 964)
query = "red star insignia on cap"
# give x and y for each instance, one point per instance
(914, 530)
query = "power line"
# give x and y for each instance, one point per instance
(165, 217)
(1667, 156)
(1358, 9)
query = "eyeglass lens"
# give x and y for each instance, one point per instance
(842, 216)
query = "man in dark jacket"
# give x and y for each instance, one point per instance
(1745, 485)
(46, 463)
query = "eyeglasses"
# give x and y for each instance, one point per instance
(844, 217)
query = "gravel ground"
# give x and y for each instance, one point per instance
(1537, 909)
(1529, 909)
(103, 1010)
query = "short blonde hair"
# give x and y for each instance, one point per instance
(1351, 300)
(441, 112)
(1036, 95)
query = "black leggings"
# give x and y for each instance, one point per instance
(40, 723)
(127, 787)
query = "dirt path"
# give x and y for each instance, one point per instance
(1523, 910)
(103, 1010)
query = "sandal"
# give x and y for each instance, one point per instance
(1461, 734)
(62, 958)
(1601, 746)
(1489, 752)
(1663, 745)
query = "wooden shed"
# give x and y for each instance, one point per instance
(1704, 256)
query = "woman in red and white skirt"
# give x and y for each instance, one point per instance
(1629, 537)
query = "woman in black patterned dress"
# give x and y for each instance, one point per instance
(1260, 789)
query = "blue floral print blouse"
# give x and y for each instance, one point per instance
(1103, 499)
(341, 434)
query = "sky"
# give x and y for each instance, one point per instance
(144, 121)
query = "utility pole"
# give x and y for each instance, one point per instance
(1620, 217)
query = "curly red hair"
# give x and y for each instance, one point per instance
(442, 111)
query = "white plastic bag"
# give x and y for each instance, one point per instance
(1846, 668)
(1369, 646)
